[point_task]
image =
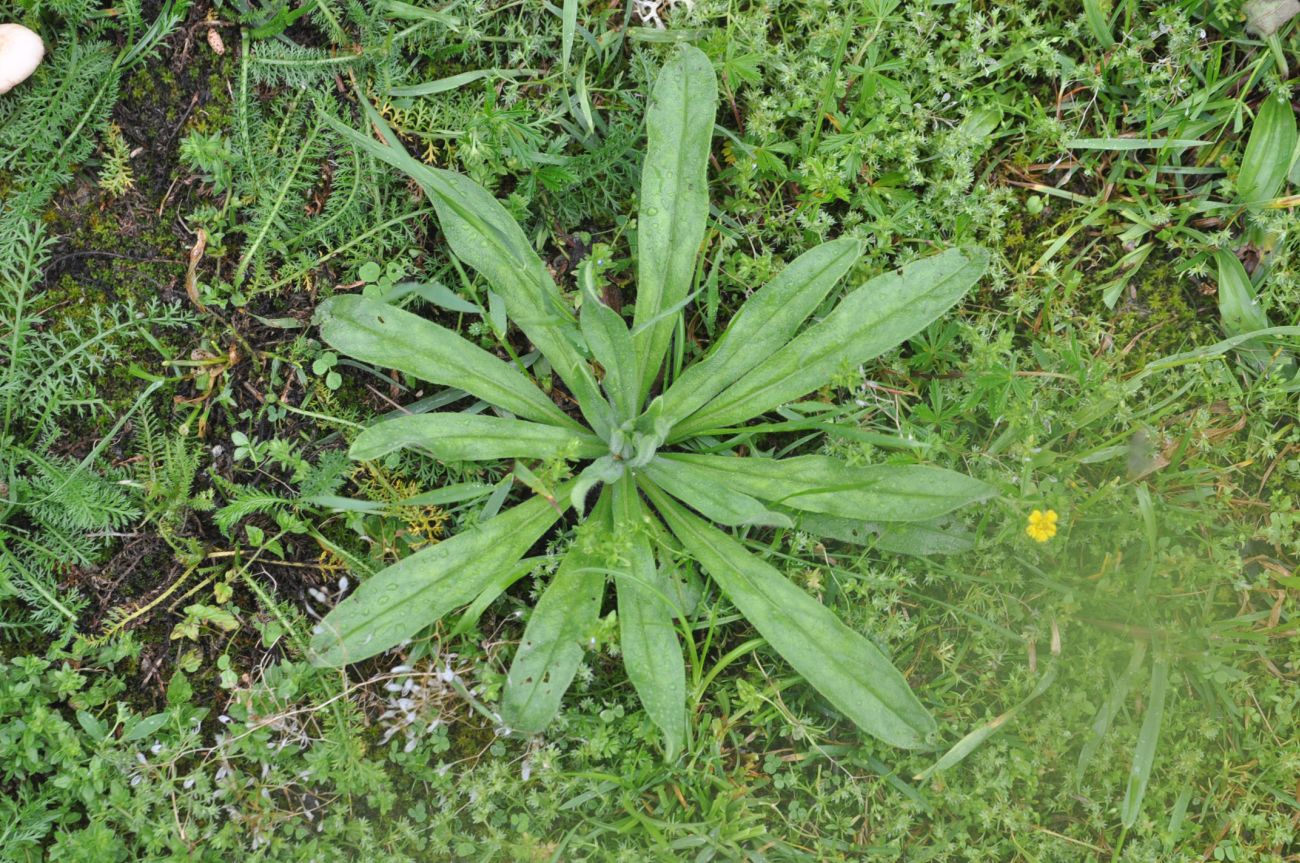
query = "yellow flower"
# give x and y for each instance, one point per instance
(1042, 525)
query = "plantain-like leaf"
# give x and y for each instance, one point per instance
(881, 314)
(396, 603)
(847, 669)
(1268, 153)
(557, 633)
(652, 654)
(674, 200)
(1241, 313)
(917, 538)
(724, 505)
(763, 325)
(474, 437)
(818, 483)
(483, 235)
(611, 344)
(387, 336)
(1238, 308)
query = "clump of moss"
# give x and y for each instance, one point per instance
(1158, 314)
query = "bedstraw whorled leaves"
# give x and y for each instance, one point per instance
(646, 476)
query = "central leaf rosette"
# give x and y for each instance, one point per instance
(662, 482)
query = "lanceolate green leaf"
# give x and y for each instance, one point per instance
(652, 654)
(1238, 308)
(847, 669)
(763, 325)
(874, 318)
(917, 538)
(674, 199)
(483, 235)
(724, 505)
(398, 602)
(556, 636)
(1241, 312)
(822, 484)
(1268, 153)
(393, 338)
(611, 344)
(474, 437)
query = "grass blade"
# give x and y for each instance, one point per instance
(1145, 753)
(976, 738)
(1122, 145)
(1106, 715)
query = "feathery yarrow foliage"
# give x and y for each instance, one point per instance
(55, 510)
(665, 484)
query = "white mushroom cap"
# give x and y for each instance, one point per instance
(21, 51)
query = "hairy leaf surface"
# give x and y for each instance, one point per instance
(881, 314)
(822, 484)
(763, 325)
(397, 339)
(674, 199)
(474, 437)
(395, 604)
(555, 638)
(847, 669)
(729, 506)
(652, 654)
(483, 235)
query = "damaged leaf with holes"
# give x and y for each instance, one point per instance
(666, 487)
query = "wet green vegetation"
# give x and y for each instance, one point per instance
(180, 510)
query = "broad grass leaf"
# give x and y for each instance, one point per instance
(763, 325)
(390, 337)
(1268, 153)
(556, 636)
(674, 199)
(396, 603)
(652, 654)
(879, 315)
(474, 437)
(847, 669)
(816, 483)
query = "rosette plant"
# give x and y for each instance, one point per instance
(662, 486)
